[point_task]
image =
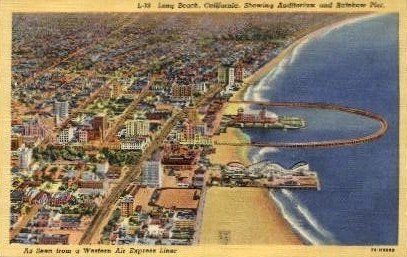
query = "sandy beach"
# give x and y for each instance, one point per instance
(248, 215)
(225, 154)
(244, 216)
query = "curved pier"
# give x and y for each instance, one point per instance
(327, 143)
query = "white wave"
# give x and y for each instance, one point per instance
(255, 93)
(295, 223)
(266, 150)
(259, 156)
(297, 50)
(308, 216)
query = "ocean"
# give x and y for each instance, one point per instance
(354, 65)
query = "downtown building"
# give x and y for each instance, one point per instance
(16, 141)
(139, 126)
(226, 75)
(116, 91)
(34, 128)
(61, 111)
(135, 143)
(152, 174)
(25, 158)
(240, 73)
(193, 133)
(181, 92)
(66, 136)
(82, 136)
(137, 134)
(99, 126)
(126, 205)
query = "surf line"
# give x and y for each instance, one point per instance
(326, 143)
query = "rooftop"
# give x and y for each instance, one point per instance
(179, 198)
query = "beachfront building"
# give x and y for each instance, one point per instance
(239, 73)
(61, 111)
(139, 126)
(193, 133)
(226, 75)
(194, 139)
(197, 140)
(152, 174)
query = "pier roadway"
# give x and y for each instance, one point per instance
(328, 143)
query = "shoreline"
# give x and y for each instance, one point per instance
(301, 38)
(226, 154)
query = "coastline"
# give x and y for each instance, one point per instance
(301, 38)
(225, 154)
(271, 218)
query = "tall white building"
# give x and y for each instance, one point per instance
(222, 75)
(226, 75)
(25, 158)
(152, 174)
(200, 87)
(61, 111)
(231, 76)
(140, 126)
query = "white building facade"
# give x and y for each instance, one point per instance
(152, 174)
(61, 111)
(25, 158)
(65, 136)
(139, 143)
(138, 127)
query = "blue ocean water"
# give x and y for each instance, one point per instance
(354, 65)
(321, 125)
